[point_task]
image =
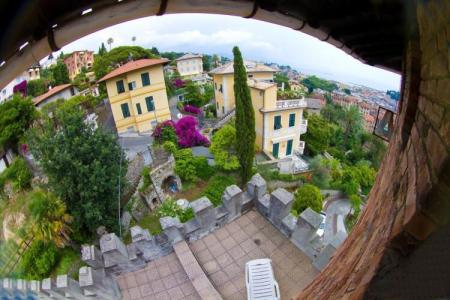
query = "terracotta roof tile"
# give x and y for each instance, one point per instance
(50, 93)
(134, 65)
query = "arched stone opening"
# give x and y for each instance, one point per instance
(170, 185)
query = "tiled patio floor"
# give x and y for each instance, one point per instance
(223, 255)
(161, 279)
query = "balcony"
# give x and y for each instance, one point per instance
(303, 126)
(300, 149)
(293, 103)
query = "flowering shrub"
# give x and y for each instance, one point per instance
(192, 109)
(165, 131)
(188, 134)
(170, 208)
(178, 83)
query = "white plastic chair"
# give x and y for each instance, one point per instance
(260, 281)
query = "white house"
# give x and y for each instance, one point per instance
(64, 91)
(32, 73)
(190, 64)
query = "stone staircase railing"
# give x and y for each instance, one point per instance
(225, 119)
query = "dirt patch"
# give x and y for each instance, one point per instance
(192, 192)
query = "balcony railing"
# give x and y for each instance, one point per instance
(293, 103)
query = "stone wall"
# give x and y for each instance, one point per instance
(114, 257)
(409, 204)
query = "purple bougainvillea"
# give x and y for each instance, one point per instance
(192, 109)
(157, 132)
(178, 83)
(188, 134)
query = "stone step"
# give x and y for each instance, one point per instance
(196, 275)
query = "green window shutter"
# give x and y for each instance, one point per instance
(291, 120)
(275, 150)
(145, 77)
(277, 122)
(120, 87)
(125, 110)
(289, 147)
(138, 108)
(150, 103)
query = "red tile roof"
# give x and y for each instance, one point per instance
(51, 92)
(134, 65)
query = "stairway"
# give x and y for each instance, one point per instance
(225, 119)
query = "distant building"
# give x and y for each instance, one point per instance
(278, 123)
(19, 83)
(314, 105)
(224, 81)
(190, 64)
(63, 91)
(137, 95)
(78, 60)
(369, 122)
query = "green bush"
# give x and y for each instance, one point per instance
(216, 187)
(202, 168)
(307, 196)
(38, 261)
(170, 147)
(18, 173)
(170, 208)
(145, 173)
(184, 166)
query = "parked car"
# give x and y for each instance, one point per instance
(260, 281)
(321, 229)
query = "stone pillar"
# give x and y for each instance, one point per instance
(230, 200)
(69, 287)
(92, 256)
(205, 213)
(7, 287)
(307, 224)
(288, 224)
(280, 206)
(326, 254)
(143, 241)
(97, 285)
(263, 205)
(22, 286)
(48, 287)
(257, 186)
(35, 287)
(113, 249)
(172, 227)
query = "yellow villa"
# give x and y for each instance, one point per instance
(278, 123)
(137, 95)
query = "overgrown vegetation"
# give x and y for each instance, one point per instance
(18, 174)
(223, 147)
(314, 82)
(306, 196)
(170, 208)
(216, 187)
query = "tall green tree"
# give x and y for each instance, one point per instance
(16, 117)
(102, 50)
(352, 122)
(245, 118)
(318, 136)
(60, 74)
(36, 87)
(83, 166)
(307, 196)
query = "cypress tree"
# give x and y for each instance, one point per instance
(245, 118)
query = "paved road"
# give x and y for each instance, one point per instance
(335, 208)
(135, 144)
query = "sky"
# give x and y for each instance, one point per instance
(258, 40)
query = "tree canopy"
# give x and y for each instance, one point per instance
(245, 118)
(281, 78)
(318, 135)
(83, 167)
(314, 82)
(36, 87)
(306, 196)
(16, 117)
(223, 145)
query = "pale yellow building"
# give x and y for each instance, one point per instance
(278, 123)
(137, 95)
(190, 64)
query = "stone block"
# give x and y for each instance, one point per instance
(96, 284)
(311, 217)
(92, 256)
(205, 213)
(280, 206)
(257, 186)
(69, 287)
(113, 249)
(48, 287)
(288, 224)
(326, 254)
(173, 228)
(230, 200)
(263, 205)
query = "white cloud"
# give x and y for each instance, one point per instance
(257, 40)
